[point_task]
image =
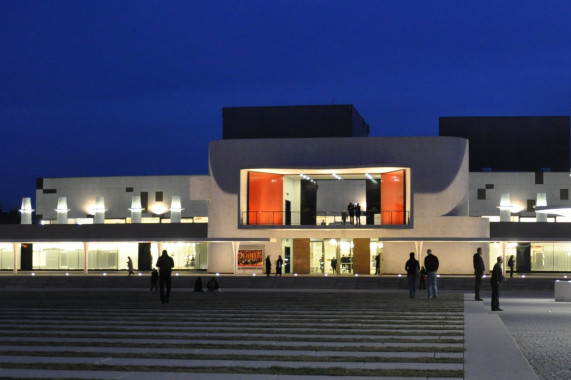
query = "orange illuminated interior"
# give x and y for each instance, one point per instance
(265, 198)
(393, 197)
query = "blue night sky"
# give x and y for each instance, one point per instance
(118, 88)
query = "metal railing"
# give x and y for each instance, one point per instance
(323, 218)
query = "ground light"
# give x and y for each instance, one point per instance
(400, 275)
(176, 274)
(105, 274)
(356, 274)
(253, 274)
(218, 273)
(523, 276)
(33, 274)
(326, 275)
(67, 274)
(140, 274)
(295, 274)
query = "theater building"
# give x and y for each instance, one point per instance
(280, 183)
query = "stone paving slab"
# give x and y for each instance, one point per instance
(236, 342)
(221, 351)
(108, 361)
(50, 374)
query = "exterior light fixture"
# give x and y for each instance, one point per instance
(356, 274)
(253, 274)
(399, 275)
(33, 274)
(67, 274)
(105, 274)
(326, 274)
(218, 273)
(140, 274)
(523, 276)
(295, 274)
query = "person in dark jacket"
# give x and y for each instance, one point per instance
(155, 280)
(431, 264)
(478, 273)
(268, 266)
(212, 285)
(165, 263)
(198, 285)
(279, 264)
(511, 263)
(495, 280)
(422, 281)
(412, 268)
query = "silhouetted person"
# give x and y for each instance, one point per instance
(212, 285)
(422, 282)
(334, 265)
(155, 280)
(511, 263)
(378, 264)
(130, 265)
(165, 263)
(478, 273)
(343, 217)
(431, 264)
(198, 285)
(279, 264)
(495, 280)
(351, 211)
(412, 268)
(268, 266)
(357, 213)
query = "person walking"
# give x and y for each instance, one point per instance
(155, 280)
(511, 263)
(478, 273)
(279, 264)
(130, 265)
(378, 264)
(431, 264)
(495, 280)
(412, 268)
(165, 263)
(268, 266)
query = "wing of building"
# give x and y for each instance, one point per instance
(308, 184)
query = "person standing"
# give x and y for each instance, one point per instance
(431, 264)
(268, 266)
(130, 265)
(495, 280)
(351, 211)
(155, 280)
(478, 273)
(378, 264)
(357, 214)
(165, 263)
(279, 264)
(334, 265)
(511, 263)
(412, 268)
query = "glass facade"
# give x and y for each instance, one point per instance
(336, 256)
(58, 256)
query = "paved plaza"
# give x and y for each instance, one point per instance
(278, 334)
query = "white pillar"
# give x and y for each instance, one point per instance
(99, 211)
(176, 209)
(505, 208)
(85, 257)
(541, 201)
(26, 211)
(15, 250)
(62, 210)
(136, 209)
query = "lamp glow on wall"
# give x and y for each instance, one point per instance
(26, 211)
(99, 211)
(136, 209)
(176, 209)
(62, 210)
(505, 208)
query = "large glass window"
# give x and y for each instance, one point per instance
(331, 256)
(190, 256)
(551, 257)
(58, 256)
(112, 256)
(6, 256)
(379, 196)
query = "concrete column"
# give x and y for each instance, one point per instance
(541, 201)
(99, 211)
(505, 208)
(15, 250)
(85, 257)
(62, 210)
(26, 211)
(136, 209)
(176, 209)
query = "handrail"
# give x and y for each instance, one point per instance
(323, 218)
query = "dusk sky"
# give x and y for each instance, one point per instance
(123, 88)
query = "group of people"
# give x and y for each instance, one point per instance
(279, 265)
(354, 212)
(430, 269)
(428, 272)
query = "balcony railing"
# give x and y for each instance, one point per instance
(323, 218)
